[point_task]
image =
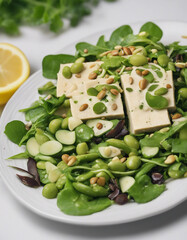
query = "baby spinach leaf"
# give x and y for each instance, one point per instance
(15, 130)
(153, 141)
(156, 102)
(84, 133)
(50, 105)
(179, 146)
(34, 114)
(144, 191)
(119, 35)
(92, 50)
(155, 33)
(51, 64)
(149, 77)
(48, 88)
(112, 62)
(73, 203)
(101, 42)
(152, 87)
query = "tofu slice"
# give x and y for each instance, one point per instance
(75, 85)
(146, 119)
(78, 100)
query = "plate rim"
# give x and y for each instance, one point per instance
(74, 221)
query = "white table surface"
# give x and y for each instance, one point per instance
(17, 222)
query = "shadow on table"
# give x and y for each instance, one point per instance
(128, 230)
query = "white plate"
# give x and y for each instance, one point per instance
(32, 198)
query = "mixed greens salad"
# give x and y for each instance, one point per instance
(88, 165)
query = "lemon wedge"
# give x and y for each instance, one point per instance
(14, 70)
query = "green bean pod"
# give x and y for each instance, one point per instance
(95, 191)
(87, 157)
(120, 144)
(85, 176)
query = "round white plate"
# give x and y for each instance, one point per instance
(33, 199)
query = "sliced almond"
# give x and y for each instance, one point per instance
(132, 48)
(83, 107)
(170, 159)
(85, 50)
(114, 91)
(143, 84)
(118, 47)
(104, 54)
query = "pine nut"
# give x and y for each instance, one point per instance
(128, 68)
(114, 53)
(123, 159)
(114, 91)
(176, 116)
(110, 80)
(101, 181)
(93, 65)
(114, 106)
(138, 72)
(142, 84)
(155, 62)
(131, 80)
(83, 107)
(99, 126)
(170, 159)
(118, 70)
(85, 50)
(71, 160)
(168, 86)
(93, 180)
(127, 51)
(65, 158)
(104, 54)
(154, 50)
(132, 48)
(180, 65)
(92, 75)
(106, 76)
(145, 72)
(78, 75)
(64, 115)
(101, 94)
(118, 47)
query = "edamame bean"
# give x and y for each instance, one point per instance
(183, 133)
(183, 93)
(131, 141)
(54, 125)
(50, 191)
(77, 67)
(82, 148)
(138, 60)
(161, 91)
(80, 60)
(177, 170)
(61, 182)
(133, 162)
(64, 124)
(163, 60)
(66, 72)
(40, 137)
(117, 165)
(132, 154)
(99, 164)
(40, 165)
(66, 103)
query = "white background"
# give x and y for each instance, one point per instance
(16, 222)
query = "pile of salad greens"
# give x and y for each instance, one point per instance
(70, 164)
(37, 12)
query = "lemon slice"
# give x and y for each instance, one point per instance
(14, 70)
